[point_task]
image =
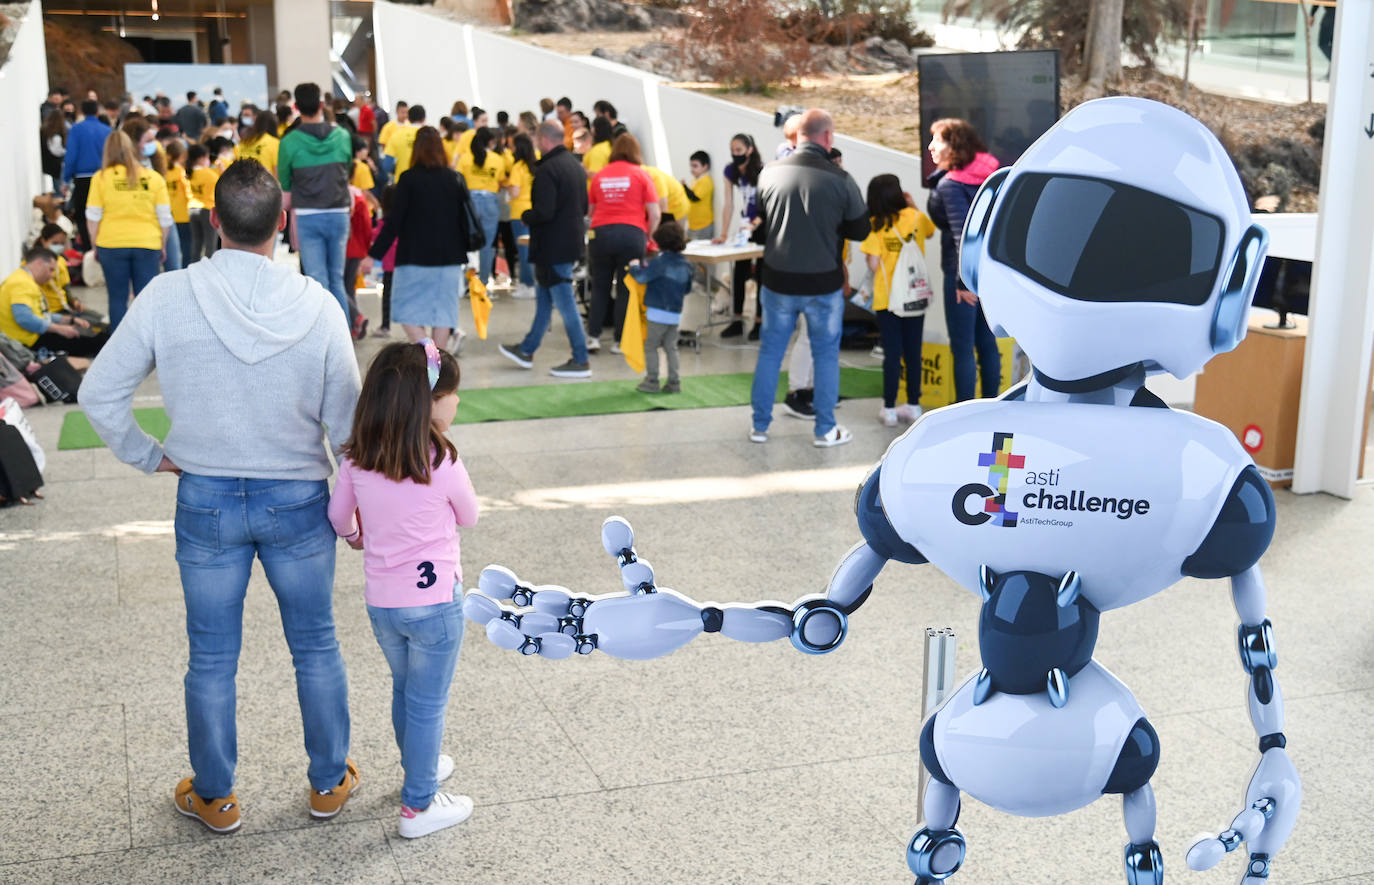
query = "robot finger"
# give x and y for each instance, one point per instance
(617, 536)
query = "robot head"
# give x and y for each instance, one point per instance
(1121, 236)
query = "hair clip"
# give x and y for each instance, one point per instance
(431, 357)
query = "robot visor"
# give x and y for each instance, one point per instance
(1096, 240)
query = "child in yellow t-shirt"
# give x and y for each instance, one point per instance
(701, 217)
(204, 177)
(179, 193)
(895, 223)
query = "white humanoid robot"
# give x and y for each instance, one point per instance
(1119, 244)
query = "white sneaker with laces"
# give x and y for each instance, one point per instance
(909, 413)
(837, 436)
(445, 810)
(888, 417)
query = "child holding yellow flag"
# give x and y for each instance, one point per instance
(667, 280)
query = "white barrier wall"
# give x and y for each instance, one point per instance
(25, 85)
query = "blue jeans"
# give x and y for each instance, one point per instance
(968, 331)
(824, 315)
(559, 295)
(183, 237)
(520, 229)
(488, 210)
(421, 646)
(125, 267)
(323, 239)
(173, 261)
(221, 524)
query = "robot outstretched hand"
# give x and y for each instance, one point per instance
(643, 621)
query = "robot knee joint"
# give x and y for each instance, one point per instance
(1144, 864)
(935, 854)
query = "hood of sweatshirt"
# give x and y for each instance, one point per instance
(320, 130)
(983, 165)
(257, 308)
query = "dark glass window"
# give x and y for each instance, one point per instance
(1095, 240)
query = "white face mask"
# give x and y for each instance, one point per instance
(246, 120)
(149, 149)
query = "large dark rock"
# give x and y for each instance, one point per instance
(555, 16)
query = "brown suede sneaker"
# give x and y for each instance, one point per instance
(218, 815)
(327, 803)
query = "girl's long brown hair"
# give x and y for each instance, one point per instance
(392, 434)
(119, 151)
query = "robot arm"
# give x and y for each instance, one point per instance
(1274, 795)
(646, 621)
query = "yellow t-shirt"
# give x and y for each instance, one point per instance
(55, 292)
(203, 181)
(179, 192)
(385, 135)
(263, 149)
(19, 288)
(522, 177)
(667, 185)
(450, 150)
(362, 177)
(703, 211)
(401, 146)
(887, 245)
(128, 208)
(465, 141)
(486, 177)
(596, 159)
(281, 128)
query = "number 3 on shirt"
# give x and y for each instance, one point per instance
(427, 575)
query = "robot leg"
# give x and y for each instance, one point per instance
(1143, 862)
(937, 850)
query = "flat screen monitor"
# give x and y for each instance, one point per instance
(1011, 98)
(1284, 286)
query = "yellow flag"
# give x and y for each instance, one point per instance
(636, 325)
(481, 304)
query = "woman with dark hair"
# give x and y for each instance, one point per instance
(962, 164)
(743, 173)
(600, 154)
(483, 170)
(261, 143)
(624, 208)
(519, 187)
(53, 136)
(428, 223)
(895, 222)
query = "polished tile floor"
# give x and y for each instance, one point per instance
(722, 763)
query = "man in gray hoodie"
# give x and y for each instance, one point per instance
(258, 377)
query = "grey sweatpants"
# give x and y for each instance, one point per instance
(664, 336)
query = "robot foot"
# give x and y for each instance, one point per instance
(935, 855)
(1144, 864)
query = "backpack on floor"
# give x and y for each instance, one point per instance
(13, 415)
(19, 475)
(57, 380)
(909, 293)
(15, 386)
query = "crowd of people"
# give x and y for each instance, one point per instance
(148, 191)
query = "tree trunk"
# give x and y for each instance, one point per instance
(1102, 51)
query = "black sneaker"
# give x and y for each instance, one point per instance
(798, 405)
(754, 332)
(734, 330)
(673, 387)
(572, 369)
(513, 353)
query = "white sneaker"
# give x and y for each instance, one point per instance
(837, 436)
(876, 352)
(909, 412)
(615, 347)
(444, 810)
(524, 292)
(445, 769)
(593, 344)
(758, 436)
(888, 417)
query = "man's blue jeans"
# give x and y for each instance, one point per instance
(221, 524)
(969, 332)
(559, 295)
(488, 210)
(124, 268)
(323, 238)
(824, 315)
(421, 646)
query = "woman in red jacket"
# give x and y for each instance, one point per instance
(624, 208)
(359, 241)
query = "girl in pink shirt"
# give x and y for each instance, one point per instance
(401, 495)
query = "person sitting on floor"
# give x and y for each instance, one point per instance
(24, 317)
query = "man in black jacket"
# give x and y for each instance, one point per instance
(807, 207)
(558, 207)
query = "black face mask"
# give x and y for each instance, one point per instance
(741, 160)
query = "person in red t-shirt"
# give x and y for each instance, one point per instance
(359, 241)
(624, 208)
(366, 119)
